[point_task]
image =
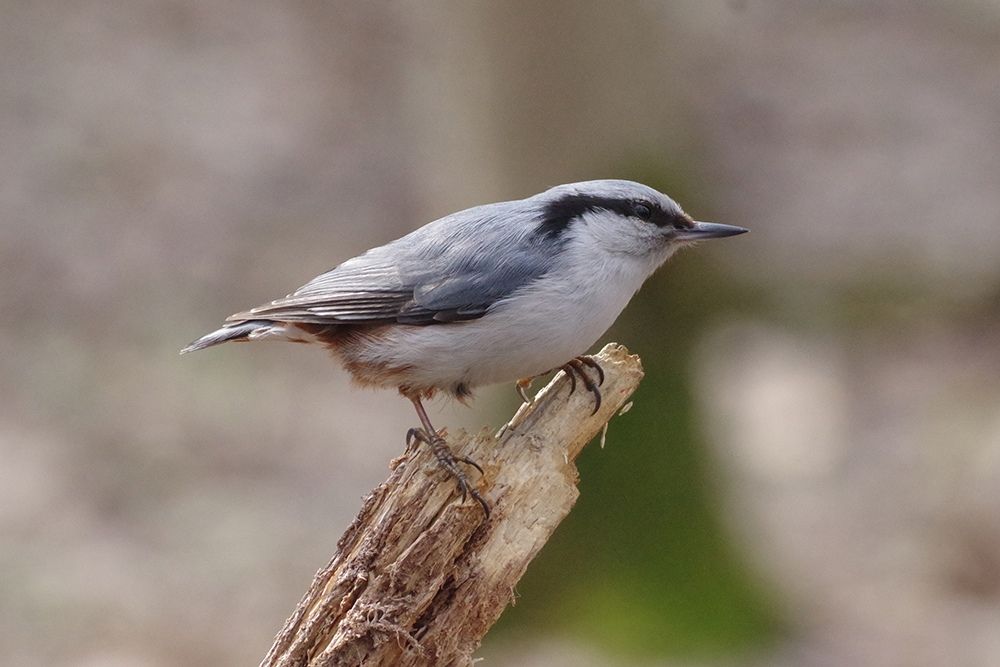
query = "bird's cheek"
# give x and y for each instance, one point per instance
(671, 237)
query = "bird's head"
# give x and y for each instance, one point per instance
(623, 217)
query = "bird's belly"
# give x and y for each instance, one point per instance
(479, 353)
(474, 354)
(514, 340)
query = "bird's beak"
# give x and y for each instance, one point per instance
(708, 230)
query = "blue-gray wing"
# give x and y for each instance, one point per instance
(452, 269)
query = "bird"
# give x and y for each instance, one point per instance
(501, 292)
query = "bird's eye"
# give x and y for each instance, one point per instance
(642, 211)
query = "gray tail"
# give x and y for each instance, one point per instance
(240, 331)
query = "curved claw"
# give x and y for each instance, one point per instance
(597, 399)
(470, 462)
(447, 460)
(590, 361)
(589, 384)
(569, 369)
(466, 488)
(482, 502)
(578, 366)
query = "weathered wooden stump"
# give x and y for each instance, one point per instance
(420, 577)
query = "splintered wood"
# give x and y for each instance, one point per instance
(420, 577)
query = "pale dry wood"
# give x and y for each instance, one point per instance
(420, 577)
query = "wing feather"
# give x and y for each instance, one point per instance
(451, 270)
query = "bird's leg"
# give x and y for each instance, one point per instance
(445, 458)
(578, 366)
(523, 385)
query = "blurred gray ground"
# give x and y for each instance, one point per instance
(166, 163)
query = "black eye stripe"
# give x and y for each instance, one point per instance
(642, 210)
(558, 214)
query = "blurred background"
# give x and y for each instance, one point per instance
(810, 475)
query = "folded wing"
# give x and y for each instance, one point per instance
(451, 270)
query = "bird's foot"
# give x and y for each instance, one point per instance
(447, 460)
(578, 367)
(522, 386)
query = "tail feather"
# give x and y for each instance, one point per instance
(239, 331)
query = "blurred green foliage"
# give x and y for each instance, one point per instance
(643, 566)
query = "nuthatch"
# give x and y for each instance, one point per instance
(496, 293)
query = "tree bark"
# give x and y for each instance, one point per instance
(420, 576)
